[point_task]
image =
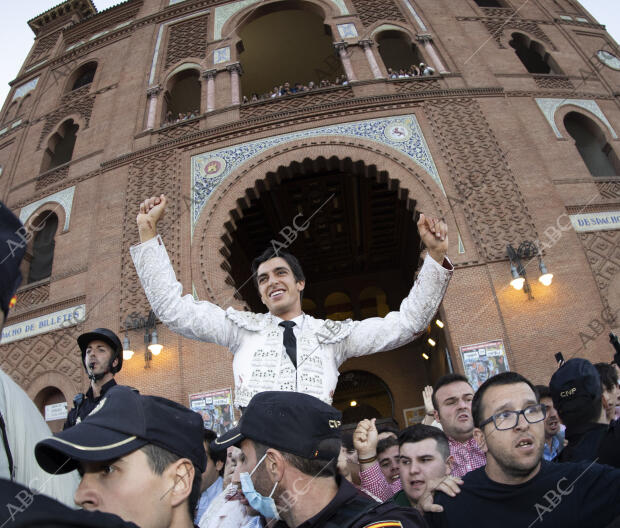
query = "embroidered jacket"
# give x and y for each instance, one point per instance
(260, 361)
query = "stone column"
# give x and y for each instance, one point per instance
(370, 57)
(210, 76)
(346, 61)
(152, 94)
(427, 41)
(235, 72)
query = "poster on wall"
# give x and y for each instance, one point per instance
(216, 409)
(414, 415)
(483, 360)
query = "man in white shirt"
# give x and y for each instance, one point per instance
(285, 349)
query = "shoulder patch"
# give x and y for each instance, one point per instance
(385, 524)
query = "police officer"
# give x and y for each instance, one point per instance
(290, 443)
(102, 357)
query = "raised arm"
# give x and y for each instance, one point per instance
(377, 334)
(200, 320)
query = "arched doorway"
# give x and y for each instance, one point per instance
(361, 394)
(49, 402)
(359, 250)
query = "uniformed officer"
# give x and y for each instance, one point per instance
(290, 443)
(102, 357)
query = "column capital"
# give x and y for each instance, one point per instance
(208, 74)
(366, 43)
(235, 67)
(424, 37)
(153, 91)
(342, 45)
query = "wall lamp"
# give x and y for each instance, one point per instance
(151, 346)
(526, 250)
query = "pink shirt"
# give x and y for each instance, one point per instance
(467, 456)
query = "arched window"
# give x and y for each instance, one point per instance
(48, 399)
(287, 44)
(373, 302)
(338, 306)
(533, 55)
(399, 54)
(590, 141)
(60, 146)
(489, 3)
(83, 76)
(182, 97)
(43, 245)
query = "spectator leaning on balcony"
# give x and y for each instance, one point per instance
(286, 349)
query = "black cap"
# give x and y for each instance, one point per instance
(109, 337)
(122, 422)
(574, 383)
(289, 421)
(12, 249)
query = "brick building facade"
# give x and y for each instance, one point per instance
(512, 139)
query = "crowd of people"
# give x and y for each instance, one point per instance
(509, 453)
(287, 89)
(423, 70)
(181, 116)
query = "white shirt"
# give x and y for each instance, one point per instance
(260, 362)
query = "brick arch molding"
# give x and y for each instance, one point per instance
(229, 199)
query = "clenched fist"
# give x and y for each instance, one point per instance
(434, 235)
(365, 439)
(151, 211)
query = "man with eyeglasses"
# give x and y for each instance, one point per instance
(517, 488)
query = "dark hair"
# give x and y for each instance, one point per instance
(446, 380)
(160, 458)
(312, 467)
(579, 412)
(418, 432)
(388, 427)
(504, 378)
(290, 259)
(216, 456)
(385, 443)
(543, 391)
(608, 374)
(347, 439)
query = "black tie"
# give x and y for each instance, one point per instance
(290, 341)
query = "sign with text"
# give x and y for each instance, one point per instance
(43, 324)
(483, 360)
(56, 411)
(216, 409)
(605, 221)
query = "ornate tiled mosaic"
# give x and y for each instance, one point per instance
(224, 12)
(64, 198)
(550, 106)
(401, 133)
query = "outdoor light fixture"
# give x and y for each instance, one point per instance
(151, 346)
(425, 355)
(526, 250)
(431, 341)
(127, 352)
(353, 403)
(439, 323)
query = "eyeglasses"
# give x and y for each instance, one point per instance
(509, 419)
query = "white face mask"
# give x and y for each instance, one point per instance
(266, 506)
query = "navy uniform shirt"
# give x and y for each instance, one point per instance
(89, 402)
(565, 495)
(352, 508)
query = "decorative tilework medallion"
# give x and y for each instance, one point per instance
(221, 55)
(401, 133)
(347, 30)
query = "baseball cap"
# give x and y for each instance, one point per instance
(122, 422)
(12, 249)
(575, 382)
(289, 421)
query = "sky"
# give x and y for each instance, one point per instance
(17, 37)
